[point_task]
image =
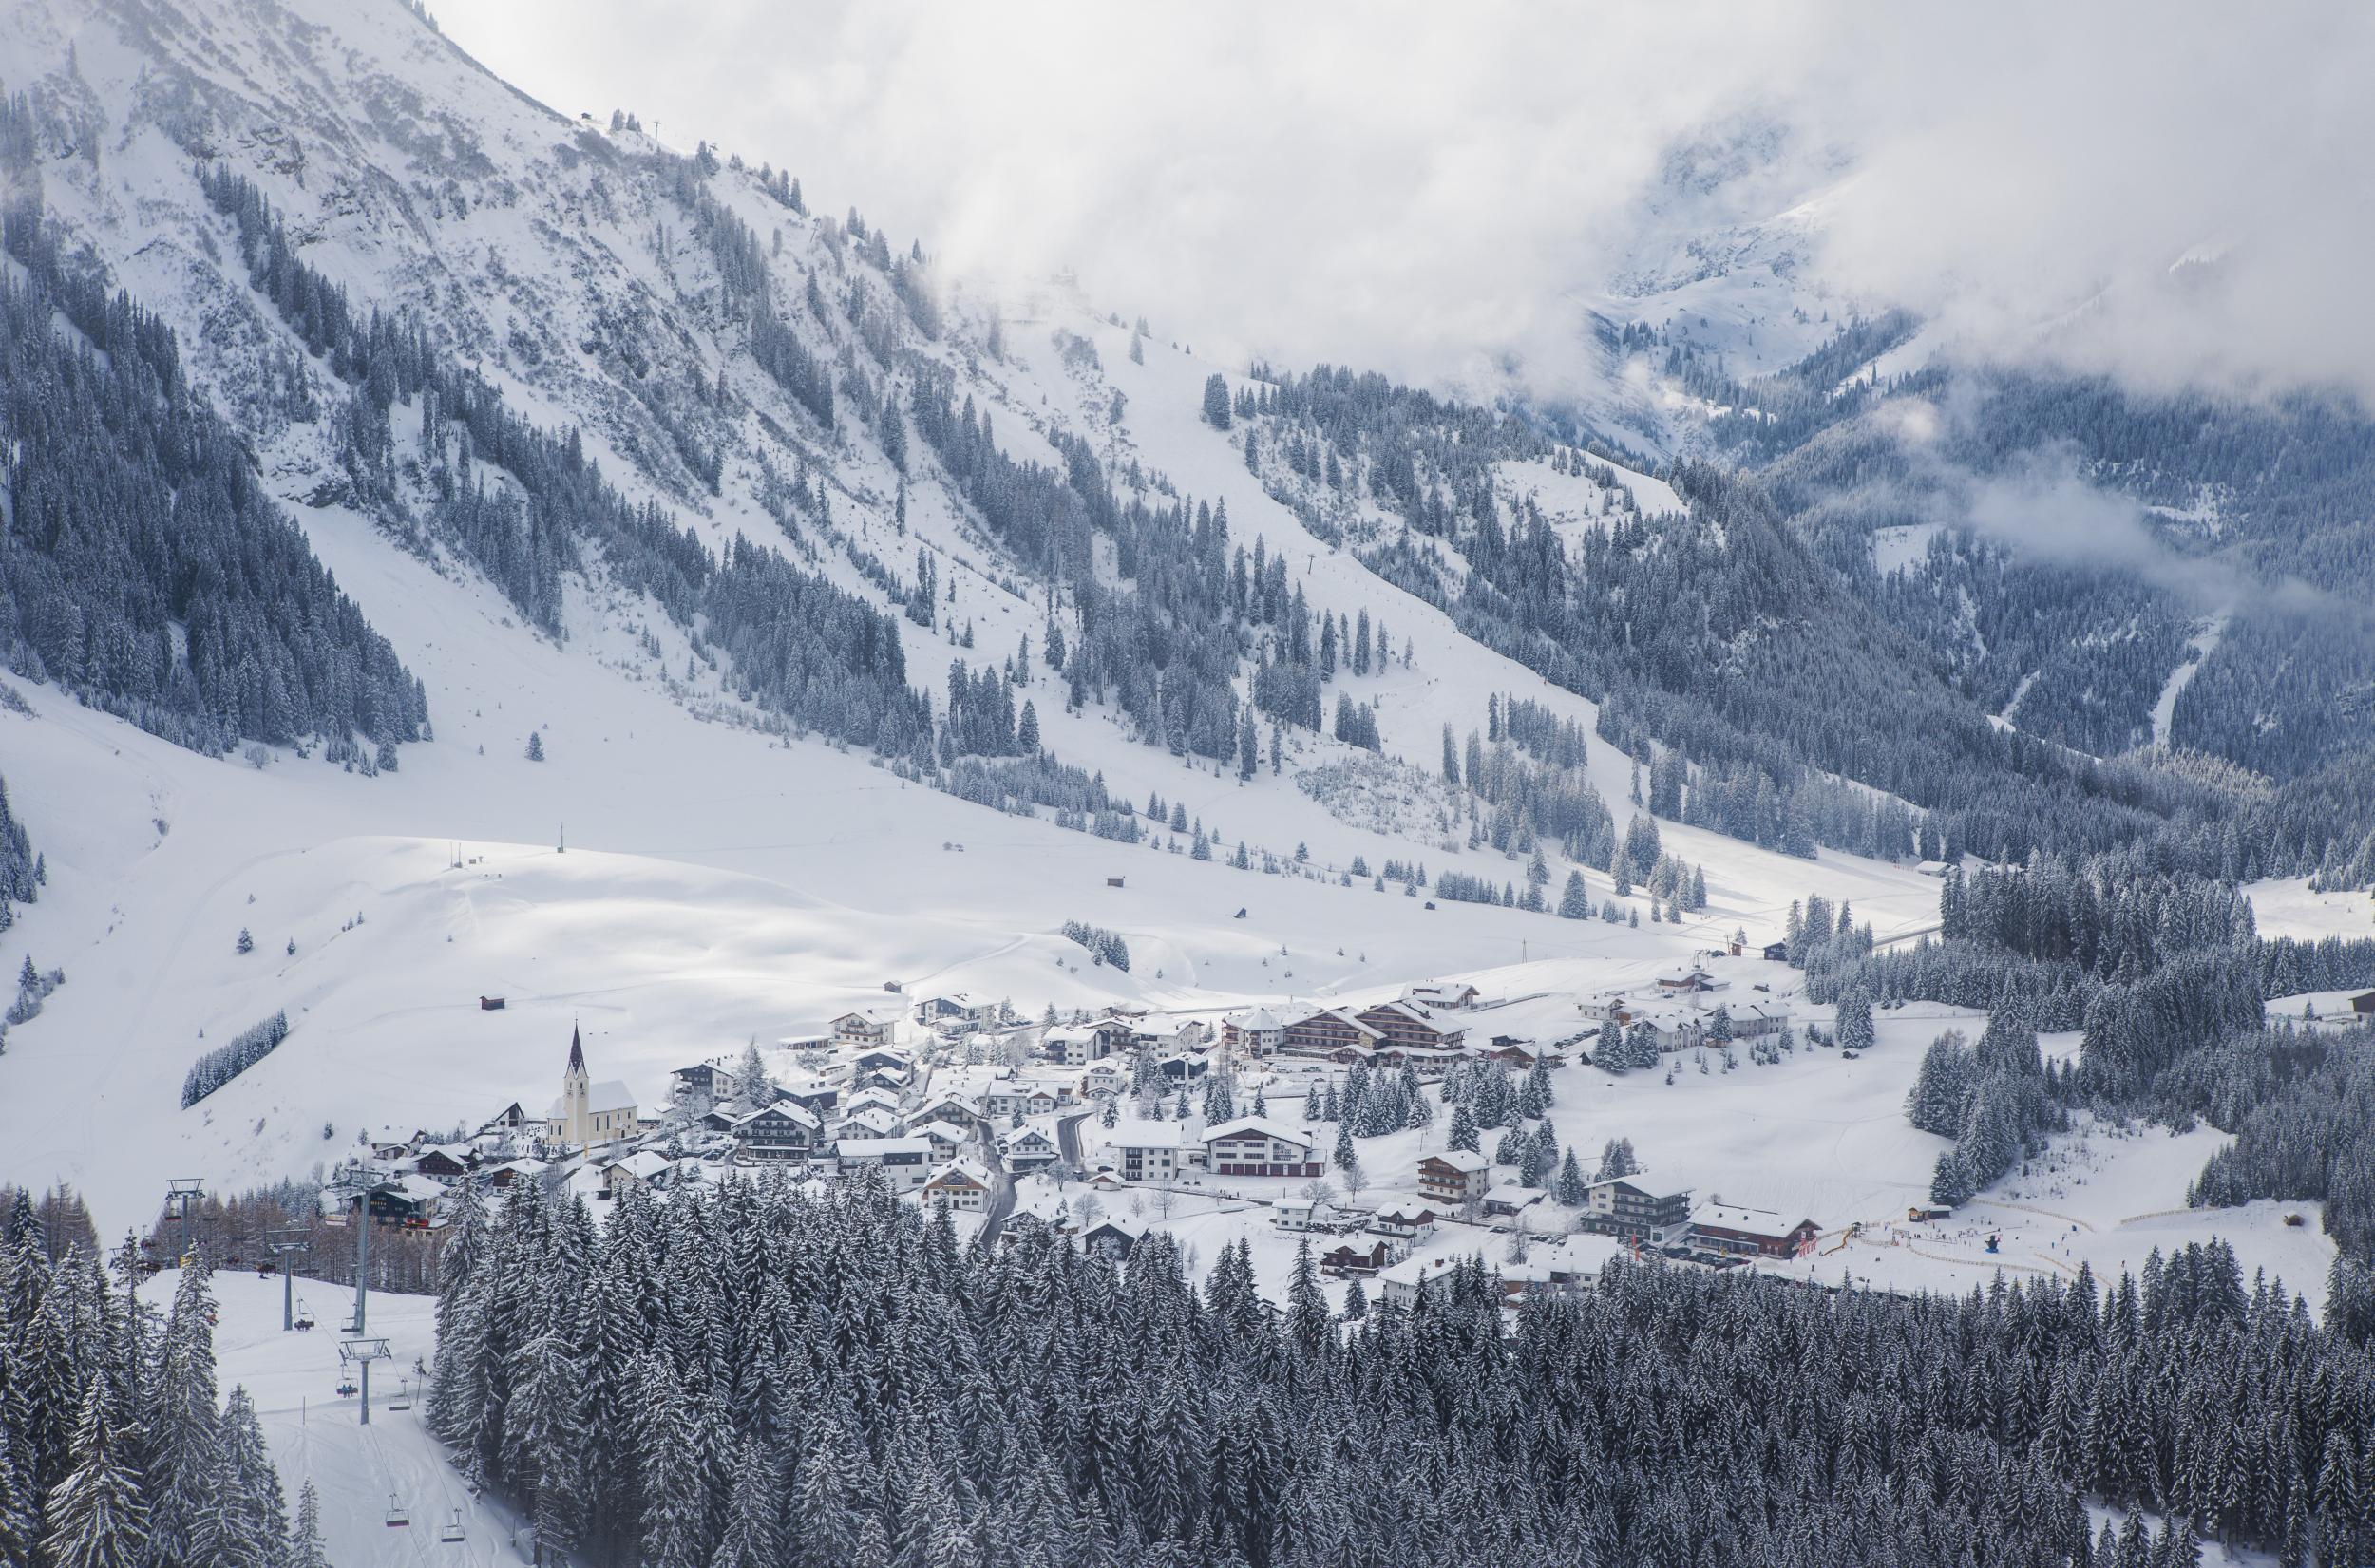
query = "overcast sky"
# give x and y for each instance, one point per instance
(1428, 188)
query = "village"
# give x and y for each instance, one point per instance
(1394, 1137)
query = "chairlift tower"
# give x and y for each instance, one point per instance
(356, 1185)
(360, 1353)
(286, 1243)
(182, 1196)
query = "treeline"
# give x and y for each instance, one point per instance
(23, 870)
(2301, 1103)
(117, 1447)
(226, 1062)
(149, 572)
(759, 1377)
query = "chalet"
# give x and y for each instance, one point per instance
(1457, 997)
(870, 1099)
(903, 1162)
(1114, 1237)
(890, 1080)
(643, 1168)
(784, 1132)
(1519, 1054)
(1014, 1098)
(702, 1082)
(1330, 1034)
(1104, 1078)
(1736, 1231)
(874, 1026)
(960, 1011)
(1256, 1031)
(1356, 1260)
(1407, 1027)
(1755, 1020)
(1776, 952)
(393, 1143)
(410, 1201)
(819, 1100)
(1453, 1176)
(958, 1110)
(442, 1166)
(1028, 1149)
(1508, 1197)
(510, 1119)
(505, 1174)
(1073, 1045)
(1153, 1151)
(1404, 1223)
(965, 1185)
(1308, 1213)
(1403, 1283)
(2363, 1004)
(946, 1137)
(1636, 1207)
(1183, 1068)
(869, 1121)
(1256, 1145)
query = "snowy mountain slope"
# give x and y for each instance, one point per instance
(724, 879)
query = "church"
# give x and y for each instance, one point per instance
(589, 1114)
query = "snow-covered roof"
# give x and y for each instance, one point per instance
(945, 1132)
(874, 1148)
(1462, 1160)
(1138, 1134)
(959, 1173)
(1514, 1195)
(1280, 1131)
(1731, 1217)
(1256, 1021)
(790, 1110)
(610, 1094)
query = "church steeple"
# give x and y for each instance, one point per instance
(576, 1053)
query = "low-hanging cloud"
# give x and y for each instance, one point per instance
(2171, 193)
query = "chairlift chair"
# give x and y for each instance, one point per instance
(346, 1388)
(451, 1533)
(403, 1398)
(399, 1518)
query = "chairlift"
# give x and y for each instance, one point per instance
(403, 1397)
(346, 1388)
(451, 1533)
(399, 1518)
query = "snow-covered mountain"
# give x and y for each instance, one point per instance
(728, 873)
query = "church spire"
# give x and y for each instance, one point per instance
(577, 1052)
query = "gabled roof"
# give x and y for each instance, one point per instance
(609, 1095)
(790, 1110)
(863, 1148)
(1462, 1160)
(1267, 1126)
(960, 1173)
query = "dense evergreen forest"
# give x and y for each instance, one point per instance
(23, 869)
(117, 1448)
(758, 1377)
(146, 570)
